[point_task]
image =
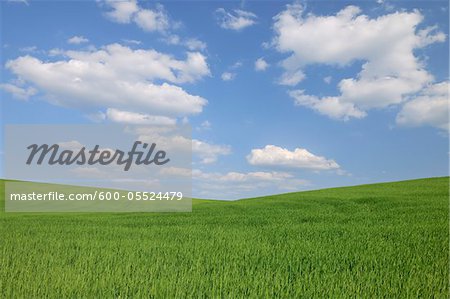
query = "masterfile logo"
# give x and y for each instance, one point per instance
(54, 156)
(98, 168)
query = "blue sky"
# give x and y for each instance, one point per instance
(281, 96)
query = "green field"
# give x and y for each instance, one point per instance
(385, 240)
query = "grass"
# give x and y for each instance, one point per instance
(384, 240)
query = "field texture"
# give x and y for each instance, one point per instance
(385, 240)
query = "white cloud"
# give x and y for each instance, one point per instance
(429, 108)
(28, 49)
(138, 118)
(185, 120)
(132, 41)
(236, 65)
(242, 177)
(121, 11)
(430, 35)
(208, 153)
(126, 12)
(77, 40)
(176, 171)
(238, 20)
(261, 64)
(390, 73)
(205, 125)
(192, 44)
(292, 78)
(227, 76)
(300, 158)
(117, 77)
(329, 106)
(152, 20)
(172, 39)
(72, 145)
(96, 117)
(233, 185)
(18, 92)
(327, 79)
(55, 52)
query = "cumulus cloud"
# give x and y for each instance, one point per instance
(274, 156)
(390, 72)
(73, 145)
(132, 41)
(76, 40)
(126, 117)
(233, 185)
(329, 106)
(430, 35)
(236, 65)
(176, 171)
(228, 76)
(152, 20)
(205, 125)
(204, 152)
(121, 11)
(242, 177)
(261, 64)
(117, 77)
(55, 52)
(192, 44)
(96, 117)
(236, 184)
(208, 153)
(292, 78)
(429, 108)
(29, 49)
(18, 92)
(126, 12)
(236, 20)
(228, 177)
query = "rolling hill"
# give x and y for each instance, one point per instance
(381, 240)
